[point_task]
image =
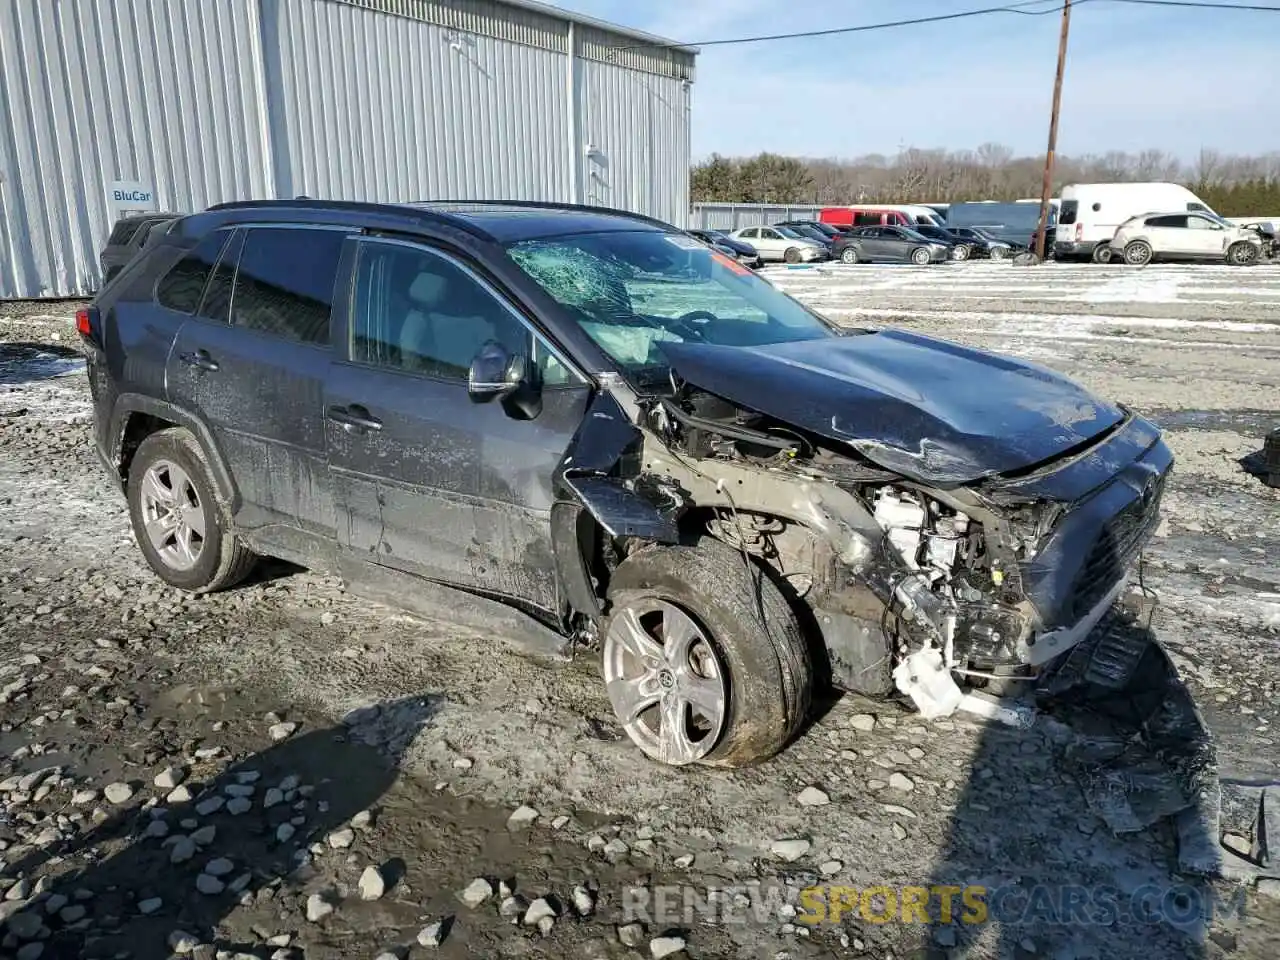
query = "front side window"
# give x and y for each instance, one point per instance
(181, 288)
(632, 291)
(1200, 223)
(285, 281)
(418, 311)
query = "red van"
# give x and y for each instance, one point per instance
(863, 217)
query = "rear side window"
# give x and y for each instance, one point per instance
(123, 232)
(181, 288)
(1070, 209)
(216, 304)
(284, 284)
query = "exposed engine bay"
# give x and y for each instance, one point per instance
(911, 585)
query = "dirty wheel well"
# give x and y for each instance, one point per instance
(138, 427)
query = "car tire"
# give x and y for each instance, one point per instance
(1138, 253)
(750, 652)
(1101, 253)
(792, 255)
(848, 255)
(198, 552)
(997, 253)
(961, 252)
(920, 256)
(1242, 254)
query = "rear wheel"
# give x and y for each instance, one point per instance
(180, 527)
(849, 255)
(961, 252)
(792, 255)
(1242, 254)
(920, 256)
(704, 661)
(1102, 253)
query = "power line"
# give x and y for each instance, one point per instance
(1198, 5)
(1014, 8)
(1008, 8)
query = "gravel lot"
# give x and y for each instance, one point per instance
(221, 773)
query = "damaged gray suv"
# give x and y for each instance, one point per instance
(592, 419)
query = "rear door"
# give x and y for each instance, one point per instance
(1169, 235)
(252, 364)
(429, 482)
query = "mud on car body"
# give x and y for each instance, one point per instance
(593, 419)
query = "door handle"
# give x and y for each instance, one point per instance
(354, 419)
(199, 359)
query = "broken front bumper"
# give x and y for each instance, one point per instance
(1114, 492)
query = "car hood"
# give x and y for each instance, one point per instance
(933, 411)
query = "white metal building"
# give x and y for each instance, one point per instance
(108, 106)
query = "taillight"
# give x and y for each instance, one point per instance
(87, 324)
(1079, 231)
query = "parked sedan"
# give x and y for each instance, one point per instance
(889, 245)
(960, 249)
(1184, 236)
(739, 250)
(808, 231)
(781, 244)
(829, 232)
(982, 244)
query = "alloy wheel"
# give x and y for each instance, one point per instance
(173, 515)
(665, 680)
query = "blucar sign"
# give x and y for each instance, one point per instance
(130, 196)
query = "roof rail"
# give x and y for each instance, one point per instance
(545, 205)
(421, 215)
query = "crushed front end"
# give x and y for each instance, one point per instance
(907, 583)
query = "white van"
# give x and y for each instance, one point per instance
(1090, 214)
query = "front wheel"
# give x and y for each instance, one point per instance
(998, 253)
(179, 526)
(1242, 254)
(704, 660)
(920, 256)
(849, 255)
(792, 255)
(1138, 253)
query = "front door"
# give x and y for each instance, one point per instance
(251, 364)
(1205, 238)
(428, 481)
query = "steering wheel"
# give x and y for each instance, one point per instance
(690, 324)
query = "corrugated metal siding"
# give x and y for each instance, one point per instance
(633, 54)
(239, 99)
(483, 18)
(369, 106)
(120, 90)
(638, 124)
(732, 216)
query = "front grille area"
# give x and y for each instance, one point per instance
(1117, 546)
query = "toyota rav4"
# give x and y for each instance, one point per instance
(642, 447)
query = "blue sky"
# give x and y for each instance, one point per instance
(1137, 77)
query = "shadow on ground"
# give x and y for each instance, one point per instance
(184, 864)
(1066, 840)
(24, 362)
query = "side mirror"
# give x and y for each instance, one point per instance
(495, 373)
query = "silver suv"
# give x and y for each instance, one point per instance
(1184, 236)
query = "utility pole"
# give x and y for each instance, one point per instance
(1047, 188)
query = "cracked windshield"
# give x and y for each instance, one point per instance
(631, 291)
